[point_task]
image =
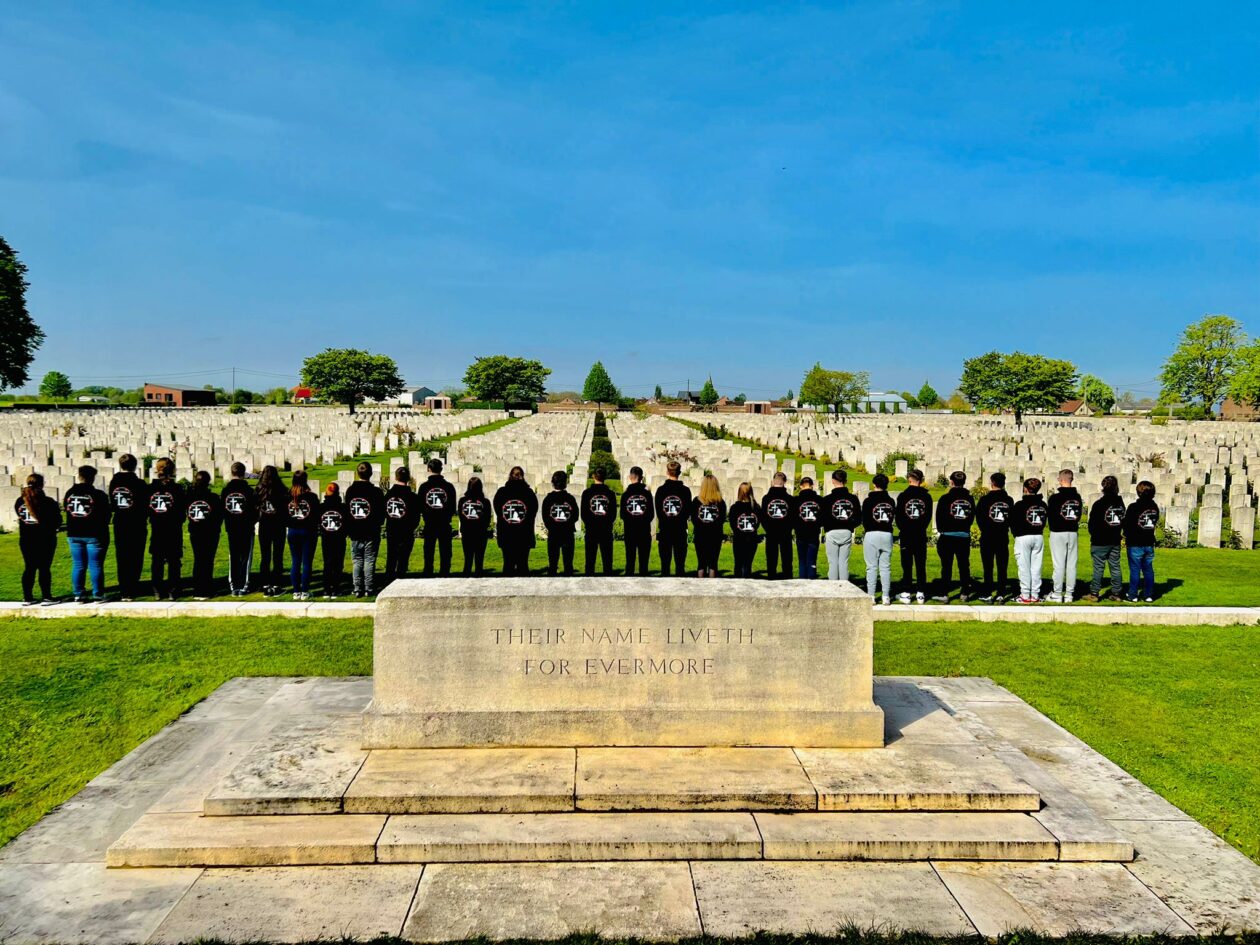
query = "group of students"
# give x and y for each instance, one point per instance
(273, 514)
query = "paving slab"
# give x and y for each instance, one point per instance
(906, 776)
(84, 902)
(1211, 885)
(299, 840)
(1110, 791)
(915, 715)
(1058, 898)
(740, 898)
(172, 753)
(322, 695)
(905, 836)
(610, 779)
(82, 829)
(471, 838)
(293, 904)
(552, 900)
(238, 698)
(956, 690)
(301, 768)
(1013, 724)
(463, 781)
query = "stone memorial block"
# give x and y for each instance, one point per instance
(1176, 518)
(622, 662)
(1210, 526)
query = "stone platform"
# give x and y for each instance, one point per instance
(1082, 844)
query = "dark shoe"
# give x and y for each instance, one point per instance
(1091, 598)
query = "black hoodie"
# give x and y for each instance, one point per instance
(474, 514)
(365, 510)
(437, 501)
(204, 512)
(516, 508)
(46, 520)
(560, 513)
(301, 514)
(778, 511)
(599, 509)
(637, 510)
(402, 511)
(240, 506)
(844, 510)
(1140, 521)
(914, 511)
(955, 511)
(879, 511)
(707, 520)
(673, 504)
(1106, 520)
(166, 508)
(127, 497)
(333, 520)
(1029, 516)
(1066, 510)
(993, 513)
(745, 521)
(808, 516)
(87, 512)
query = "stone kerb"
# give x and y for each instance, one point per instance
(543, 662)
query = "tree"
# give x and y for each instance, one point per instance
(1127, 401)
(911, 401)
(708, 394)
(928, 397)
(599, 386)
(55, 386)
(658, 394)
(349, 376)
(277, 395)
(740, 399)
(1097, 393)
(1017, 381)
(19, 335)
(825, 388)
(1244, 385)
(499, 377)
(1200, 366)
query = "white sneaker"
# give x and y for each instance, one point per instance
(920, 598)
(887, 601)
(903, 597)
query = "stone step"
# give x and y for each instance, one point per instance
(190, 840)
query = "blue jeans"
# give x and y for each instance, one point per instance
(807, 559)
(1142, 564)
(87, 555)
(301, 557)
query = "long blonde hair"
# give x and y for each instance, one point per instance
(32, 493)
(710, 493)
(746, 493)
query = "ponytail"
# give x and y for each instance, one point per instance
(32, 493)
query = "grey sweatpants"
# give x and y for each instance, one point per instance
(839, 543)
(877, 550)
(1064, 547)
(1029, 550)
(1106, 556)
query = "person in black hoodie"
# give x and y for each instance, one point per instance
(87, 534)
(437, 507)
(599, 512)
(402, 515)
(516, 510)
(474, 527)
(333, 523)
(778, 510)
(879, 512)
(365, 514)
(302, 529)
(745, 519)
(673, 504)
(954, 514)
(637, 512)
(1066, 512)
(1028, 525)
(708, 515)
(1140, 521)
(204, 511)
(240, 514)
(844, 515)
(166, 530)
(39, 518)
(914, 514)
(560, 515)
(1106, 527)
(807, 521)
(272, 500)
(993, 517)
(128, 499)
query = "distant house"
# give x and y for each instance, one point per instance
(302, 395)
(759, 406)
(410, 397)
(1232, 410)
(155, 395)
(437, 402)
(1073, 408)
(688, 396)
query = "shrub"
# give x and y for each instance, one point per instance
(889, 462)
(601, 444)
(237, 408)
(602, 460)
(1171, 538)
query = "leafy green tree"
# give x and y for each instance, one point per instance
(927, 396)
(1097, 393)
(1200, 366)
(19, 335)
(350, 376)
(825, 388)
(911, 401)
(658, 394)
(277, 395)
(1019, 382)
(499, 377)
(599, 386)
(1244, 384)
(708, 394)
(55, 386)
(740, 399)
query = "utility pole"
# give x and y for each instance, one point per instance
(233, 400)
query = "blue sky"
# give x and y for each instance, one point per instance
(678, 189)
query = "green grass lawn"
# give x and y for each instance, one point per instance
(1176, 707)
(1183, 576)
